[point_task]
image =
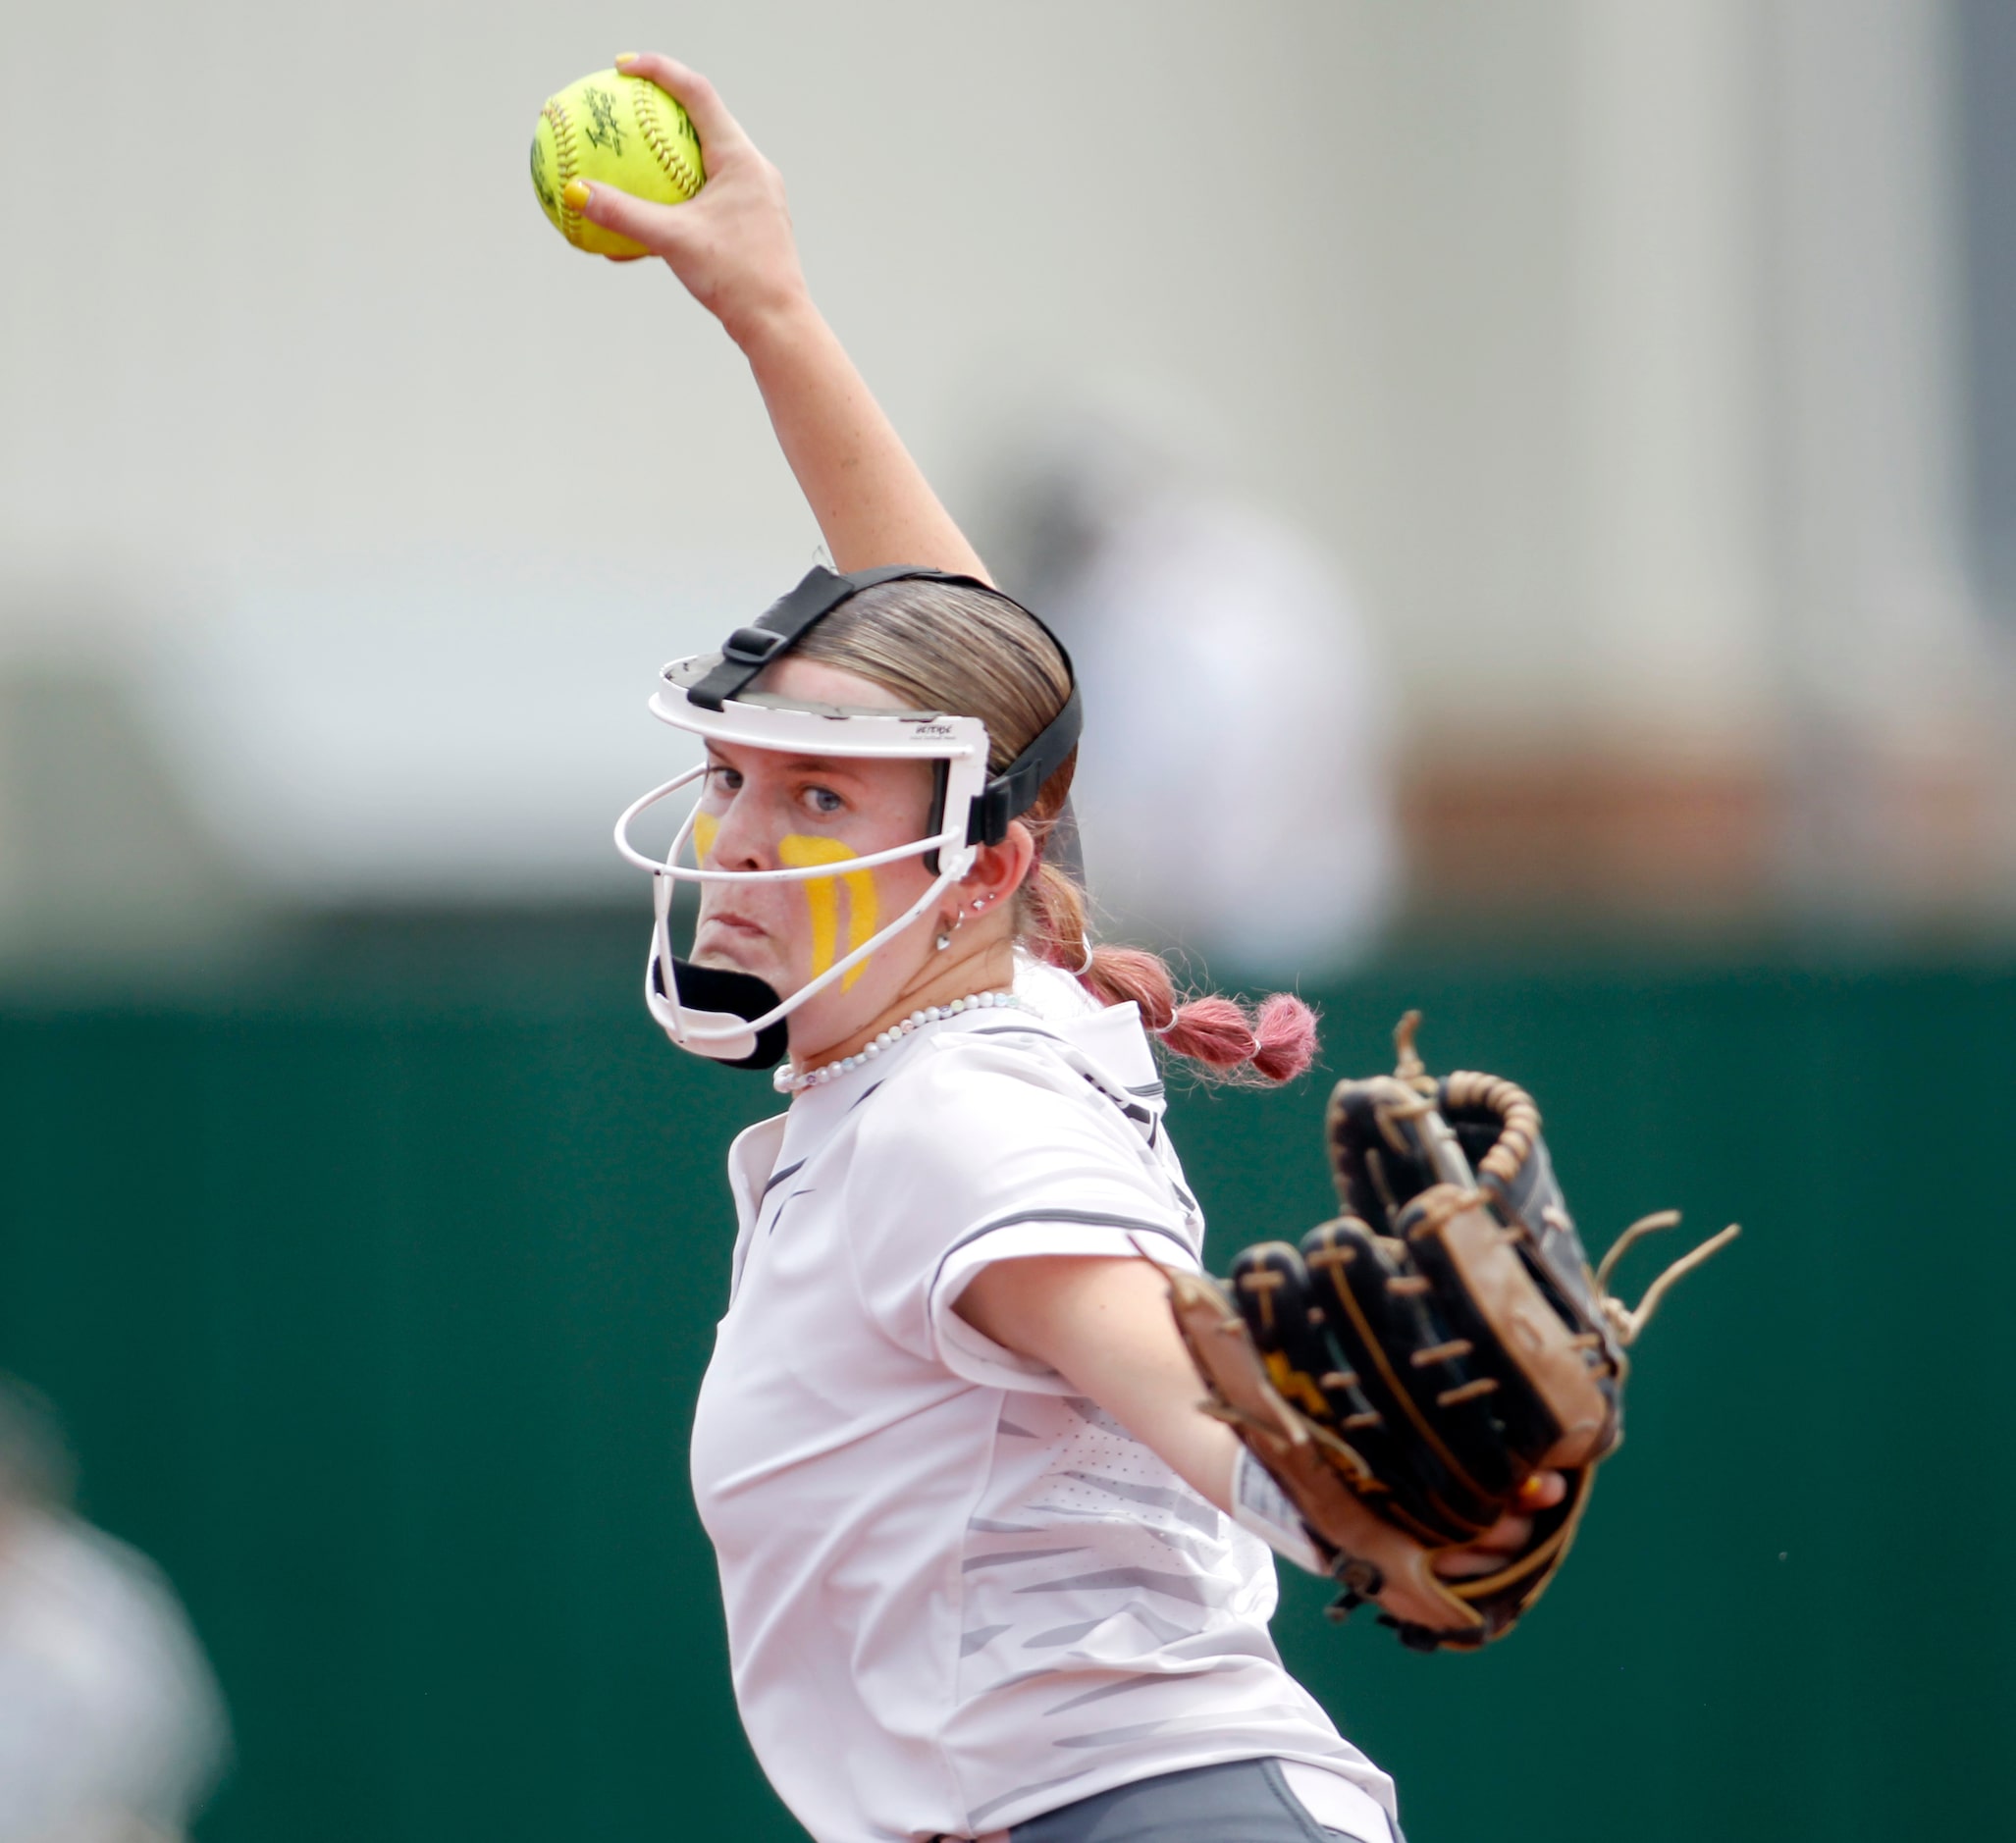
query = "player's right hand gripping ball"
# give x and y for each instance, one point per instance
(1407, 1370)
(624, 131)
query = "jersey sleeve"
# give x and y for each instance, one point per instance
(986, 1155)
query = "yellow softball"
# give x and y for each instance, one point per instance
(623, 131)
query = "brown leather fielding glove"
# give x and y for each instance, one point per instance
(1407, 1370)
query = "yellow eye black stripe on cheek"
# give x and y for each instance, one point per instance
(705, 829)
(796, 852)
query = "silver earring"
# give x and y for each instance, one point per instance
(944, 940)
(979, 902)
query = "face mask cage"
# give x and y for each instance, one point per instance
(677, 992)
(735, 1016)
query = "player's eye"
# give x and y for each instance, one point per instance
(825, 801)
(721, 779)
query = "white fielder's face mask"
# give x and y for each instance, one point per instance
(735, 1017)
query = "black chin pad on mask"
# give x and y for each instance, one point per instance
(739, 994)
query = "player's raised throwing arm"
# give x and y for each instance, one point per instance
(733, 248)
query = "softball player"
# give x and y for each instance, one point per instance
(987, 1570)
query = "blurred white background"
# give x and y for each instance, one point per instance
(1617, 356)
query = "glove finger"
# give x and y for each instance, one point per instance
(1272, 1288)
(1312, 1370)
(1466, 1102)
(1413, 1369)
(1375, 1176)
(1538, 1366)
(1475, 1107)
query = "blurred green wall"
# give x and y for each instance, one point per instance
(378, 1315)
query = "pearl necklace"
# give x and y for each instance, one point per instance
(787, 1080)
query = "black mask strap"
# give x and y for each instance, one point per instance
(781, 627)
(1014, 790)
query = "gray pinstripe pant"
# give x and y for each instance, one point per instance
(1242, 1801)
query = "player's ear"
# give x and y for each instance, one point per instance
(999, 870)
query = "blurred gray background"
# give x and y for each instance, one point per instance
(1638, 375)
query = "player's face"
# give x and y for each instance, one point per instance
(762, 809)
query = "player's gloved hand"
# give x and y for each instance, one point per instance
(731, 245)
(1427, 1383)
(1511, 1535)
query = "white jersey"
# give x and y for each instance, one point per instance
(959, 1595)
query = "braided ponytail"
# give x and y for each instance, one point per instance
(1274, 1042)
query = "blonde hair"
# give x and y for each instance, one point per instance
(944, 646)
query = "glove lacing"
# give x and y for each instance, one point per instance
(1520, 1127)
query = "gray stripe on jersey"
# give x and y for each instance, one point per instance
(1147, 1680)
(1090, 1218)
(1162, 1631)
(1086, 1409)
(1185, 1506)
(784, 1203)
(1026, 1676)
(1093, 1517)
(1017, 1554)
(1199, 1593)
(778, 1177)
(1205, 1552)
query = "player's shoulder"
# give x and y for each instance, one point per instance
(1008, 1062)
(1013, 1079)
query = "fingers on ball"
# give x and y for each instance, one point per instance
(712, 121)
